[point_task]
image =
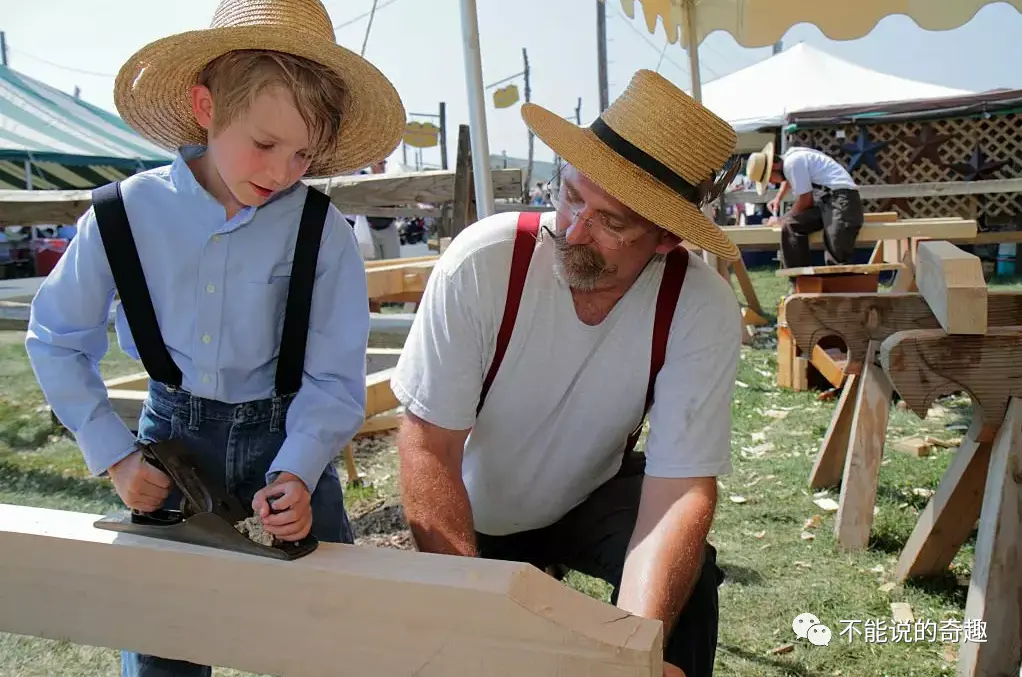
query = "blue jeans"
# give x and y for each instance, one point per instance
(235, 444)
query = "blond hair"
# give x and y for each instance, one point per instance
(237, 78)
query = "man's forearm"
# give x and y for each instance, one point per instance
(436, 505)
(665, 559)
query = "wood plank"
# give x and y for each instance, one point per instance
(938, 229)
(951, 512)
(881, 191)
(748, 289)
(830, 368)
(850, 269)
(995, 595)
(859, 318)
(379, 396)
(381, 423)
(925, 364)
(952, 282)
(879, 217)
(343, 606)
(830, 459)
(398, 278)
(355, 194)
(854, 518)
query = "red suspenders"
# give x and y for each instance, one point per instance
(667, 299)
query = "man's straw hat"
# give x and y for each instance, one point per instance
(152, 88)
(759, 166)
(656, 151)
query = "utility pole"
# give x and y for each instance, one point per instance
(578, 112)
(443, 135)
(3, 49)
(601, 53)
(528, 94)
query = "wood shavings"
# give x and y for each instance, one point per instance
(252, 527)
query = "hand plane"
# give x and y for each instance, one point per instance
(207, 516)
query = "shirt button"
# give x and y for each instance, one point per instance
(205, 378)
(206, 338)
(210, 289)
(216, 238)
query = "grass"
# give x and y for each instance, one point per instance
(766, 511)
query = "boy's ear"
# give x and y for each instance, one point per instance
(202, 106)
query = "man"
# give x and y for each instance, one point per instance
(386, 239)
(826, 198)
(566, 302)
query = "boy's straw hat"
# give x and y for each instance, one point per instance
(152, 88)
(656, 151)
(759, 165)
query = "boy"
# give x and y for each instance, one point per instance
(826, 198)
(242, 290)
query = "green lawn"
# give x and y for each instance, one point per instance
(775, 544)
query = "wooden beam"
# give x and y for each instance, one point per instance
(925, 364)
(995, 595)
(379, 396)
(355, 194)
(854, 518)
(374, 611)
(830, 459)
(951, 513)
(938, 229)
(859, 318)
(881, 191)
(398, 278)
(952, 282)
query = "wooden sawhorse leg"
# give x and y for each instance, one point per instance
(866, 436)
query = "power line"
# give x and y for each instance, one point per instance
(57, 65)
(625, 20)
(369, 27)
(363, 16)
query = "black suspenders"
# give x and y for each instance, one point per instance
(126, 267)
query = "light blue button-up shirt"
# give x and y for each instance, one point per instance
(218, 288)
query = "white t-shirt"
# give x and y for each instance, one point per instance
(567, 395)
(804, 167)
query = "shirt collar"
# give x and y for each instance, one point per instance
(185, 182)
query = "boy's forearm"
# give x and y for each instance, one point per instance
(436, 505)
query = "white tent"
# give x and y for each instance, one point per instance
(804, 78)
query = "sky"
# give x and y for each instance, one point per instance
(418, 45)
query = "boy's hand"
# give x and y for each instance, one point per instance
(140, 485)
(290, 519)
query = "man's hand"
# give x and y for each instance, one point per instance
(774, 205)
(290, 517)
(672, 670)
(140, 485)
(773, 221)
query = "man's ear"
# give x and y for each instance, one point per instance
(202, 106)
(668, 241)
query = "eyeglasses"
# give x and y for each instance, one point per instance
(596, 224)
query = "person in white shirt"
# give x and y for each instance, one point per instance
(826, 198)
(534, 460)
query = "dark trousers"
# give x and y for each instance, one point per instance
(592, 539)
(235, 444)
(838, 213)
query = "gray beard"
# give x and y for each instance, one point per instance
(576, 265)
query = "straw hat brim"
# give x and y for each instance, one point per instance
(627, 183)
(152, 91)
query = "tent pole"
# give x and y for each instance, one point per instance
(692, 47)
(476, 109)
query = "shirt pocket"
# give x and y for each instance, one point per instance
(262, 302)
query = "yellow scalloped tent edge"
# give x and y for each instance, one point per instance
(760, 23)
